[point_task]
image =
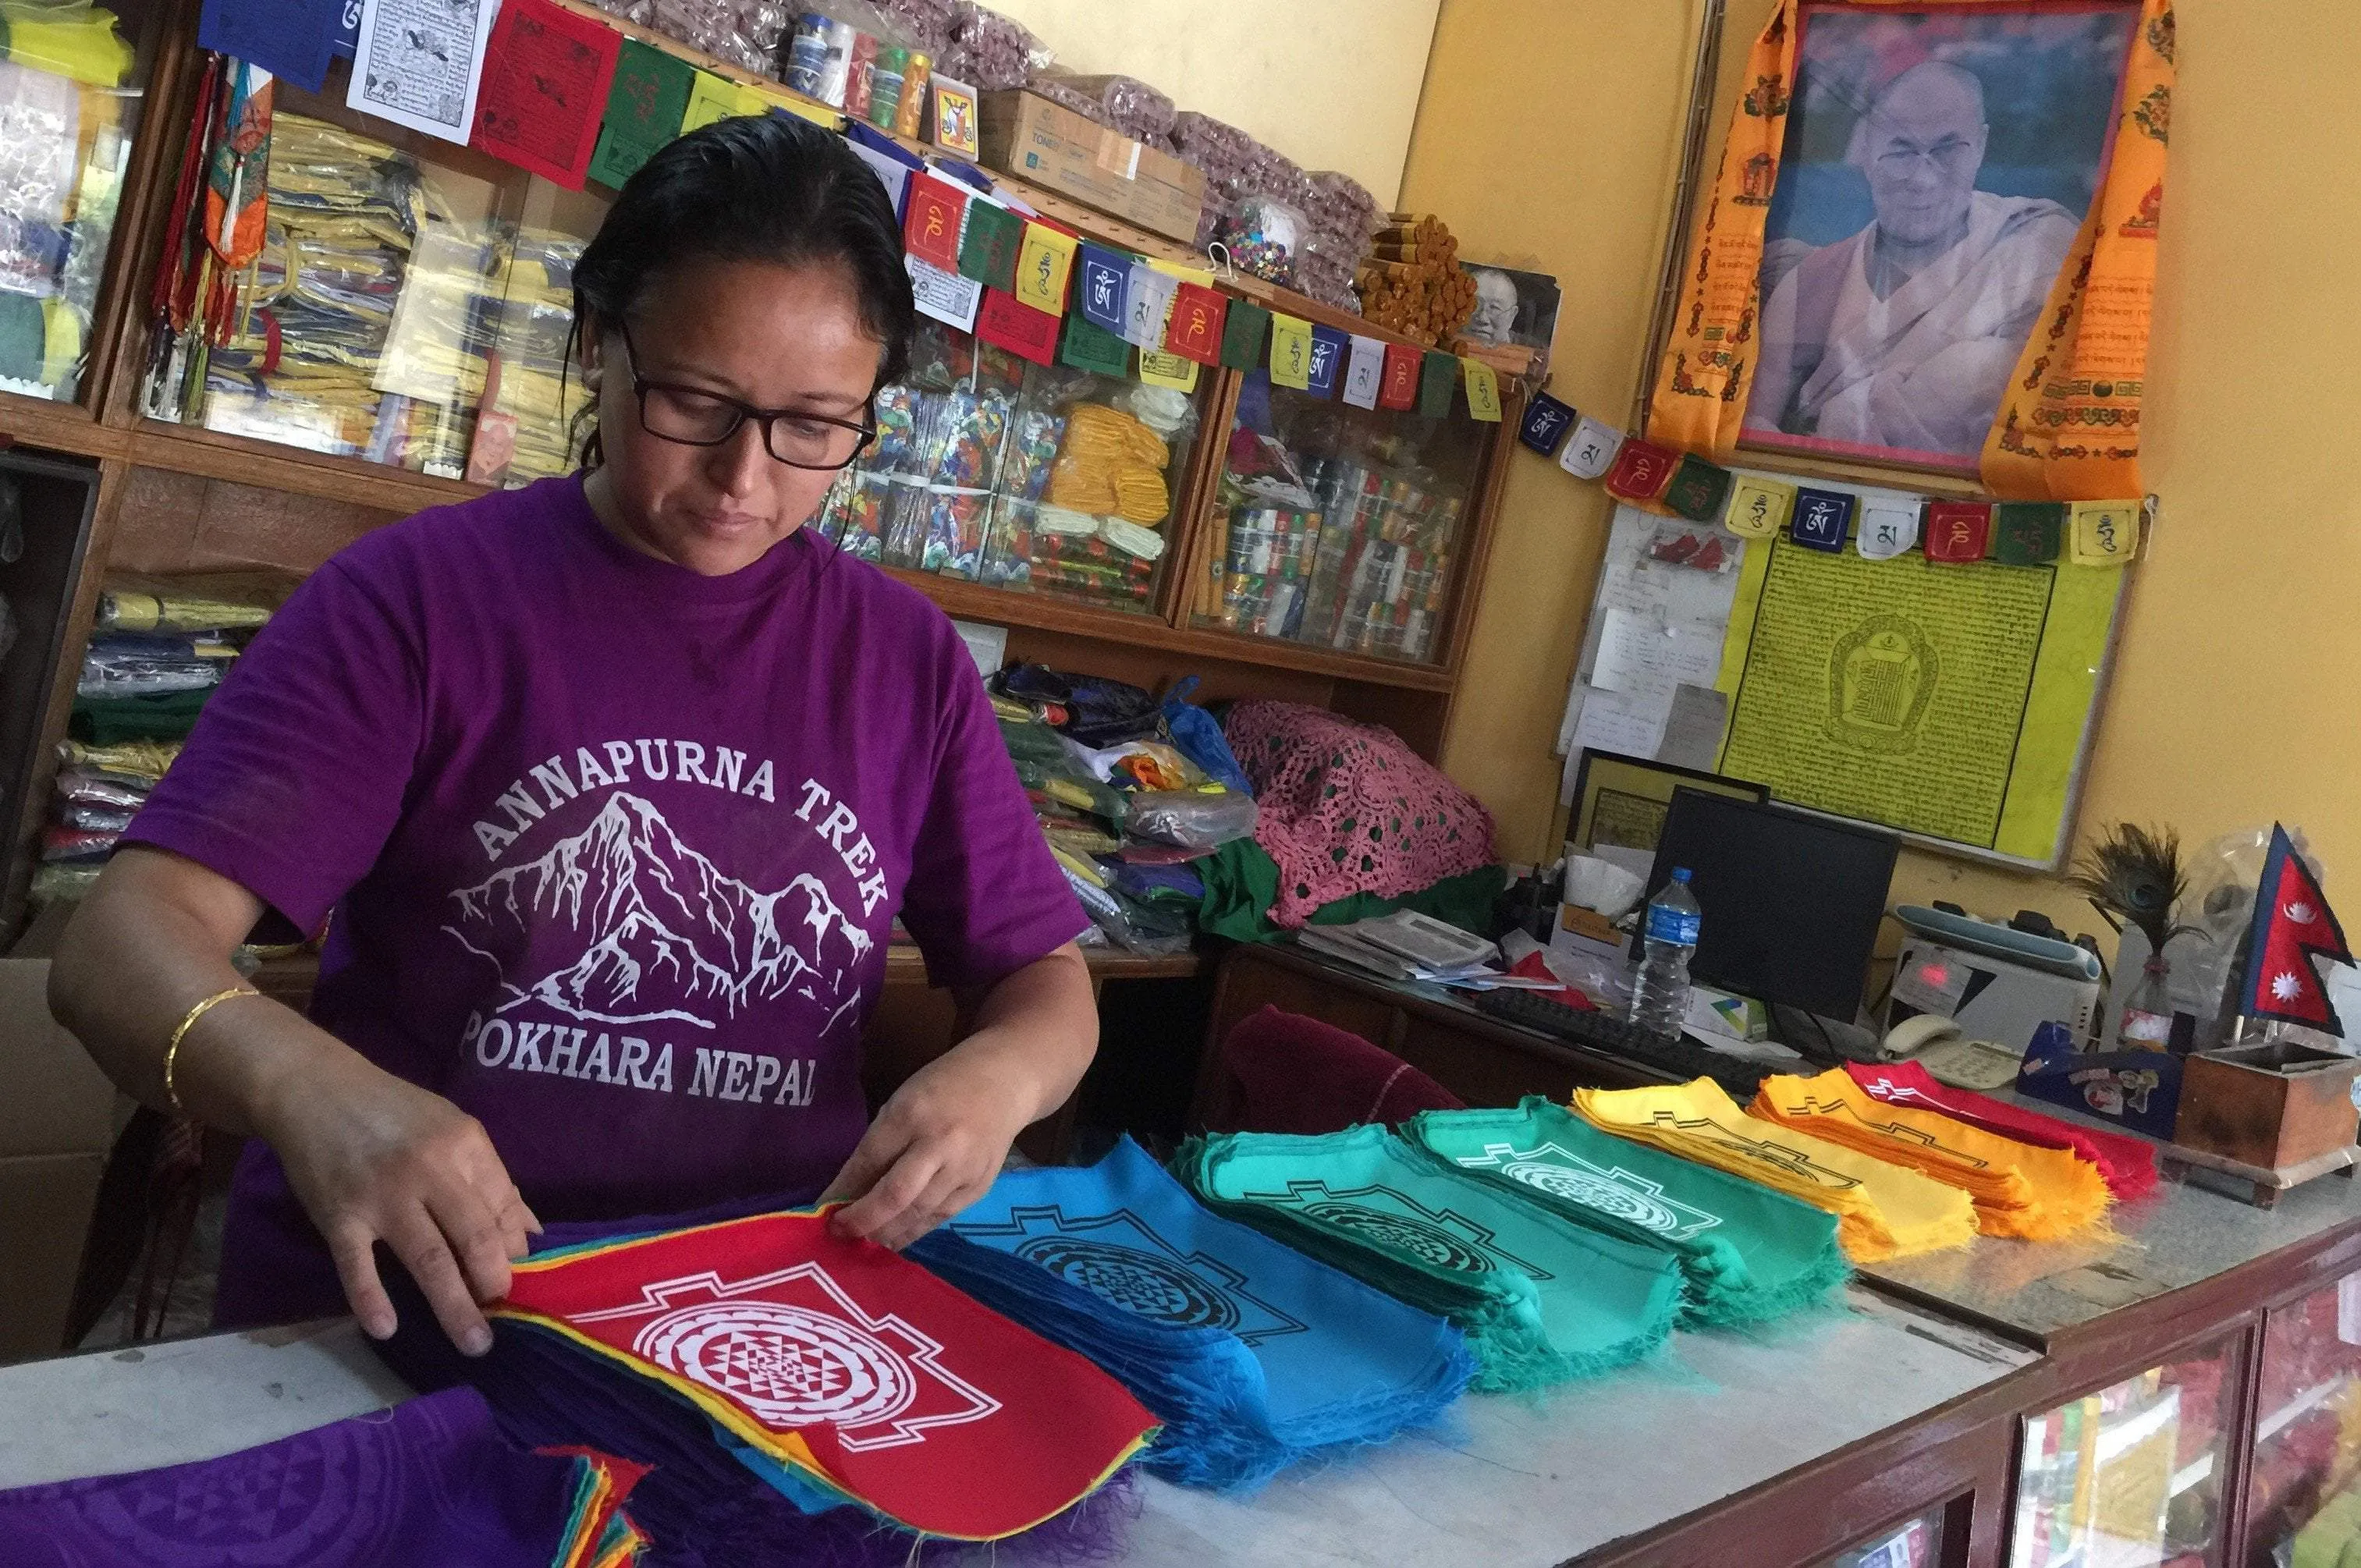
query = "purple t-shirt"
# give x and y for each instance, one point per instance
(615, 850)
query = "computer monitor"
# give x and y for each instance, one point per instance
(1791, 901)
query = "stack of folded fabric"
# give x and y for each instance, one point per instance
(1750, 1253)
(547, 398)
(2126, 1164)
(1252, 1354)
(1883, 1209)
(1541, 1298)
(834, 1371)
(2021, 1190)
(429, 1481)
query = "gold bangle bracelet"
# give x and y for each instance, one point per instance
(188, 1022)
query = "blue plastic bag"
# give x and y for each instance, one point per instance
(1200, 739)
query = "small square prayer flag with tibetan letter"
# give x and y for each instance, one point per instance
(1546, 423)
(1823, 518)
(2028, 534)
(1699, 490)
(1759, 508)
(2105, 534)
(1438, 378)
(1889, 525)
(1399, 390)
(1641, 471)
(988, 250)
(1106, 288)
(1328, 347)
(1590, 451)
(1244, 333)
(1957, 532)
(1194, 331)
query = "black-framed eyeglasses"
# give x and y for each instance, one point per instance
(695, 417)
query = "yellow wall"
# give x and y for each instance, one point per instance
(1331, 83)
(2235, 696)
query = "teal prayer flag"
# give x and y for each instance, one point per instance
(645, 105)
(1087, 347)
(1539, 1297)
(1438, 376)
(1244, 334)
(1749, 1254)
(988, 249)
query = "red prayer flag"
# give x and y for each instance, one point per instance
(1957, 530)
(1397, 389)
(2292, 926)
(931, 227)
(2126, 1164)
(1018, 328)
(1642, 470)
(1194, 332)
(544, 92)
(846, 1360)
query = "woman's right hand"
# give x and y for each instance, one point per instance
(374, 1158)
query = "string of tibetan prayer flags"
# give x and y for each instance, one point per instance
(1880, 524)
(848, 1366)
(1750, 1253)
(1883, 1211)
(1250, 1353)
(1541, 1299)
(2019, 1189)
(2127, 1164)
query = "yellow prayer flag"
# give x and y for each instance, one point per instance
(1290, 352)
(1041, 268)
(1201, 276)
(710, 98)
(1483, 391)
(1159, 368)
(1759, 508)
(780, 98)
(2105, 534)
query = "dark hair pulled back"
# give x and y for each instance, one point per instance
(753, 188)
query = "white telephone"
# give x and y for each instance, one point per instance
(1939, 1046)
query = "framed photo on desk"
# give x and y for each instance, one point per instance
(1620, 803)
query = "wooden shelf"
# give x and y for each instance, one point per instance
(245, 460)
(57, 427)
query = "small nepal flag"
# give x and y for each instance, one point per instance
(2294, 925)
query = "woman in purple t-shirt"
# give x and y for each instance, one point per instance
(616, 785)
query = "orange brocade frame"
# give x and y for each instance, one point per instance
(2068, 428)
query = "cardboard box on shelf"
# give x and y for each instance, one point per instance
(56, 1123)
(1051, 146)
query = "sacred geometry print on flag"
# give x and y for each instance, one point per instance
(843, 1360)
(1119, 1258)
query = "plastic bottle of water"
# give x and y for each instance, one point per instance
(1660, 996)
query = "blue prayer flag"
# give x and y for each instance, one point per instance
(1546, 421)
(1823, 518)
(1106, 286)
(1328, 347)
(289, 39)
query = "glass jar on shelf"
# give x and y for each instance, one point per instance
(2303, 1489)
(991, 469)
(73, 83)
(403, 309)
(2130, 1476)
(1339, 527)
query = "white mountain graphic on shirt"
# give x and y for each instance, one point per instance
(664, 933)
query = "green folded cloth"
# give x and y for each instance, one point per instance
(165, 716)
(1541, 1298)
(1242, 884)
(1749, 1254)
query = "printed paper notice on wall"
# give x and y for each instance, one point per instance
(419, 63)
(946, 296)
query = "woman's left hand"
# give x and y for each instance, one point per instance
(943, 1137)
(934, 1148)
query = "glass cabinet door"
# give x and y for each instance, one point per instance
(994, 469)
(2303, 1494)
(73, 83)
(1918, 1543)
(2130, 1476)
(1339, 527)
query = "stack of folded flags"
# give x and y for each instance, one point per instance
(2126, 1164)
(1251, 1353)
(1540, 1299)
(1883, 1209)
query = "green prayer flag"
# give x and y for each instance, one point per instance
(1088, 347)
(2028, 534)
(1699, 490)
(1539, 1297)
(1437, 377)
(1244, 334)
(988, 249)
(1749, 1254)
(644, 106)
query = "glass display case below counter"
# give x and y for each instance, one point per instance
(1915, 1543)
(69, 102)
(2303, 1497)
(401, 310)
(993, 470)
(1339, 527)
(2130, 1477)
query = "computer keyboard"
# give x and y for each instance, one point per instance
(1684, 1059)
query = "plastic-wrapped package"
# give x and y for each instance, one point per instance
(992, 52)
(94, 786)
(75, 846)
(1124, 103)
(955, 524)
(967, 434)
(95, 818)
(63, 885)
(746, 33)
(638, 12)
(1341, 205)
(905, 542)
(867, 505)
(1133, 926)
(1261, 236)
(926, 23)
(125, 667)
(1194, 819)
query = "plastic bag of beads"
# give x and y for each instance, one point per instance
(1260, 235)
(992, 52)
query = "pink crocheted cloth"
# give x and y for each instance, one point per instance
(1346, 809)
